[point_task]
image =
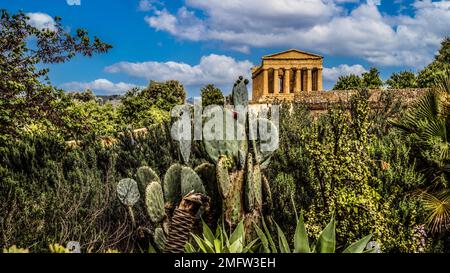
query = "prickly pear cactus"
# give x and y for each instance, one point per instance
(160, 199)
(264, 145)
(240, 92)
(159, 238)
(178, 182)
(239, 162)
(154, 202)
(128, 192)
(215, 140)
(144, 176)
(171, 184)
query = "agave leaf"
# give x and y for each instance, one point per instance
(359, 246)
(207, 233)
(238, 233)
(224, 235)
(263, 238)
(151, 249)
(284, 245)
(203, 245)
(189, 248)
(249, 247)
(269, 238)
(237, 246)
(327, 238)
(217, 246)
(301, 243)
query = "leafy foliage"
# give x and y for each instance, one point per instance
(350, 82)
(404, 79)
(151, 105)
(371, 79)
(221, 241)
(23, 97)
(326, 242)
(428, 125)
(352, 164)
(429, 75)
(212, 95)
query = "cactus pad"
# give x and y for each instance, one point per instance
(233, 206)
(249, 187)
(159, 238)
(172, 184)
(154, 202)
(223, 177)
(144, 176)
(179, 181)
(240, 92)
(207, 173)
(257, 186)
(222, 144)
(266, 145)
(190, 181)
(128, 192)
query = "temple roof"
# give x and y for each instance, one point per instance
(292, 54)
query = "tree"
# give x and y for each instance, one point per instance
(372, 79)
(24, 98)
(85, 96)
(152, 104)
(349, 82)
(428, 76)
(404, 79)
(212, 95)
(165, 95)
(83, 118)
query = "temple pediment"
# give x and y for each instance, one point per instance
(292, 54)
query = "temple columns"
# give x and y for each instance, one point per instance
(287, 81)
(309, 80)
(265, 82)
(319, 80)
(298, 80)
(305, 80)
(276, 82)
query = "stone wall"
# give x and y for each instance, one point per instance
(320, 101)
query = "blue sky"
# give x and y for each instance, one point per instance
(214, 41)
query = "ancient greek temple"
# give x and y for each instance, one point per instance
(283, 75)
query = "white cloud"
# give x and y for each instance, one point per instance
(145, 5)
(316, 25)
(332, 74)
(41, 20)
(73, 2)
(99, 85)
(216, 69)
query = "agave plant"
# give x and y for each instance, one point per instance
(221, 242)
(326, 243)
(429, 124)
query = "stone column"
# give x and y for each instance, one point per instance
(298, 80)
(309, 80)
(265, 83)
(276, 82)
(287, 81)
(319, 80)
